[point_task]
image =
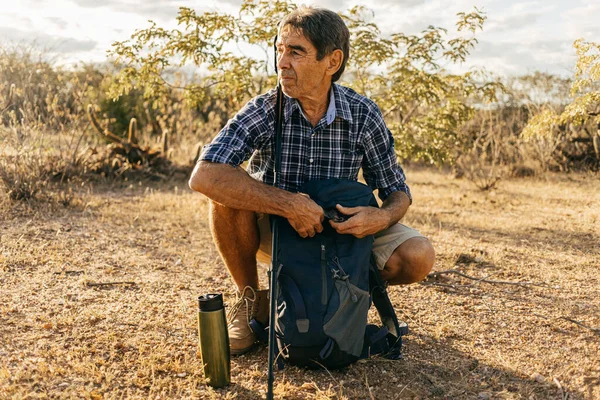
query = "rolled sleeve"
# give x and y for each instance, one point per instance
(380, 166)
(233, 146)
(236, 142)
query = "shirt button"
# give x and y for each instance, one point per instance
(311, 160)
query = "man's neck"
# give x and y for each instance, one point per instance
(315, 106)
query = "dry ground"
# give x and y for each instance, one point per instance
(63, 337)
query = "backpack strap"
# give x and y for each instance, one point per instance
(392, 329)
(302, 321)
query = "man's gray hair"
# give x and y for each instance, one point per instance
(325, 29)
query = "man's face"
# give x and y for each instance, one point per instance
(301, 75)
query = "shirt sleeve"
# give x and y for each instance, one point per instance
(242, 134)
(380, 166)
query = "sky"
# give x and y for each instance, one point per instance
(519, 37)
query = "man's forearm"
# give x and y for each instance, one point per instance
(234, 188)
(396, 205)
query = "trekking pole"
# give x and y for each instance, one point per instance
(275, 239)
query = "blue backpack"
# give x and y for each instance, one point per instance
(326, 285)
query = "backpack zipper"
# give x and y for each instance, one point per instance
(323, 276)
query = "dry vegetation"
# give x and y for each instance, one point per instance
(104, 250)
(98, 298)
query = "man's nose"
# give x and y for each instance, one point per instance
(283, 60)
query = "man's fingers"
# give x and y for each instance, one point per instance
(319, 228)
(348, 210)
(308, 232)
(341, 227)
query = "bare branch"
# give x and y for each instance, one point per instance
(594, 330)
(93, 284)
(434, 275)
(105, 132)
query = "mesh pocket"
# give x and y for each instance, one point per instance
(347, 325)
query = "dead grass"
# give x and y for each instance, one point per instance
(61, 338)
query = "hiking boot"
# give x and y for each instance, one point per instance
(250, 304)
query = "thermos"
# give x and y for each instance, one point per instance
(214, 340)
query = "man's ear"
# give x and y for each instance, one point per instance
(335, 62)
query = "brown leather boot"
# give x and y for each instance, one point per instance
(250, 304)
(260, 311)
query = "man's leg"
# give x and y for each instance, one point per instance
(410, 262)
(403, 255)
(236, 235)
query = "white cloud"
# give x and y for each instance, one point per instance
(519, 36)
(583, 21)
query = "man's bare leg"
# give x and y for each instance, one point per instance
(236, 235)
(410, 262)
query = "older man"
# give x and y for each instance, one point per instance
(329, 131)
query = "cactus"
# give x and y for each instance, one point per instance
(104, 132)
(129, 150)
(165, 142)
(131, 137)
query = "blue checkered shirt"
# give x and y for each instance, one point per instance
(351, 135)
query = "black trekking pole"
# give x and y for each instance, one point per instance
(275, 240)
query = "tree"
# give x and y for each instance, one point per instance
(584, 111)
(424, 105)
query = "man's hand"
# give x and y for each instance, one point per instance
(306, 216)
(363, 221)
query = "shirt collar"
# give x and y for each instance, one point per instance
(338, 106)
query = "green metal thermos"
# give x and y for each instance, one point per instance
(214, 340)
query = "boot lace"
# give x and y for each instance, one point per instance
(242, 300)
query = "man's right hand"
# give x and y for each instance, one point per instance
(306, 216)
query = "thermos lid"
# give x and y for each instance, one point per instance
(210, 302)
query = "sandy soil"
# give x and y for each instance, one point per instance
(148, 246)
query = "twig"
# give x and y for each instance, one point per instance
(453, 271)
(368, 387)
(594, 330)
(109, 283)
(447, 285)
(563, 395)
(405, 386)
(69, 272)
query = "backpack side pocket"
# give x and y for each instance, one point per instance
(348, 322)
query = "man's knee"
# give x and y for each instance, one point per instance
(229, 223)
(233, 216)
(410, 262)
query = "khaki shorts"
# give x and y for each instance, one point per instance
(385, 243)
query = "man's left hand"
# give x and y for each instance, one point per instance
(362, 221)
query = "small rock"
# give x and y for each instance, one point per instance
(538, 378)
(483, 396)
(182, 375)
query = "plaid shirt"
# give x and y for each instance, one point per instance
(351, 135)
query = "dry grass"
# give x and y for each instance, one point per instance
(61, 338)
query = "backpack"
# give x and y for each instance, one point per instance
(326, 285)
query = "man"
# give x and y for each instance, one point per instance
(328, 132)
